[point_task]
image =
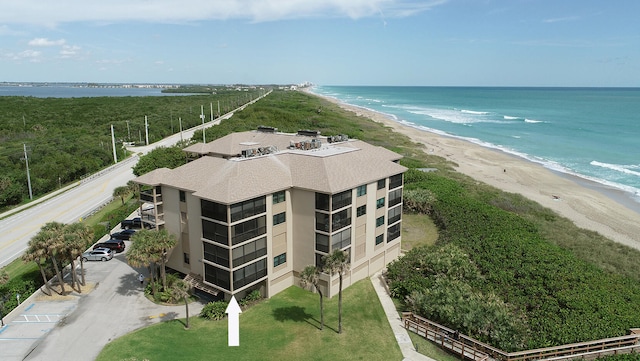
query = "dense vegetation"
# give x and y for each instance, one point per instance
(67, 138)
(557, 297)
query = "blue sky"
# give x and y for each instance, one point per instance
(327, 42)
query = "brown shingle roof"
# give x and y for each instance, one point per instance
(331, 169)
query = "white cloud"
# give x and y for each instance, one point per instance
(46, 42)
(560, 20)
(33, 56)
(69, 51)
(50, 13)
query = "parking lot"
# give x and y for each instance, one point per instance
(77, 326)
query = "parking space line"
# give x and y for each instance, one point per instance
(39, 318)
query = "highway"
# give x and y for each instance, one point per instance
(80, 199)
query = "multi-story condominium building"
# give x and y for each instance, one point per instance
(253, 209)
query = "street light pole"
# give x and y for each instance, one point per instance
(204, 139)
(26, 160)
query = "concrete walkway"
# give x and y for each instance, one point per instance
(402, 336)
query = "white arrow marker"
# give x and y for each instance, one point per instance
(233, 311)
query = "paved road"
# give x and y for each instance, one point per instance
(71, 203)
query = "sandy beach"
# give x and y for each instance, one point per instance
(589, 205)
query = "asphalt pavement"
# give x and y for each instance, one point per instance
(79, 325)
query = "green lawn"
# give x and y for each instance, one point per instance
(285, 327)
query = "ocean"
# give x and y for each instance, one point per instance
(591, 133)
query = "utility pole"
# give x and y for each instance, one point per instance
(180, 120)
(128, 131)
(113, 143)
(146, 129)
(204, 139)
(211, 105)
(26, 160)
(218, 109)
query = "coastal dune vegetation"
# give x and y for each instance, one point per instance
(503, 268)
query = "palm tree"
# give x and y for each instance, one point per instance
(337, 262)
(311, 275)
(181, 289)
(149, 248)
(121, 192)
(162, 241)
(84, 236)
(139, 254)
(37, 252)
(51, 236)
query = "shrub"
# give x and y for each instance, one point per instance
(214, 310)
(251, 297)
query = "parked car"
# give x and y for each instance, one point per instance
(131, 223)
(123, 235)
(116, 245)
(98, 254)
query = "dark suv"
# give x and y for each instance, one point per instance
(131, 223)
(115, 245)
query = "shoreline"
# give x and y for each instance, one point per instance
(588, 204)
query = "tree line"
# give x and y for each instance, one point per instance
(68, 138)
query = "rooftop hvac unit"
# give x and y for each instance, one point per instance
(337, 138)
(266, 129)
(309, 133)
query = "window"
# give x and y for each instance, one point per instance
(322, 201)
(393, 232)
(279, 259)
(394, 214)
(341, 239)
(395, 197)
(341, 199)
(380, 203)
(341, 219)
(379, 239)
(183, 196)
(379, 221)
(322, 222)
(361, 211)
(322, 242)
(320, 260)
(382, 183)
(249, 273)
(278, 197)
(185, 258)
(362, 190)
(217, 276)
(248, 229)
(279, 218)
(249, 252)
(248, 208)
(216, 232)
(214, 210)
(395, 181)
(216, 254)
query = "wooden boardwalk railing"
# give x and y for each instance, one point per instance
(473, 349)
